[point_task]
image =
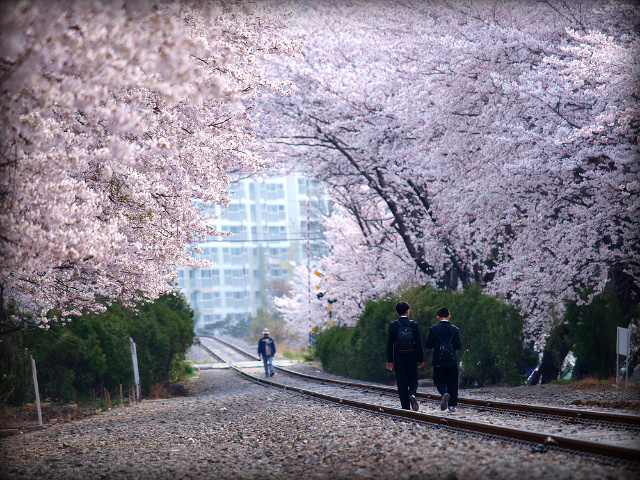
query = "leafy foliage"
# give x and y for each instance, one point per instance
(251, 331)
(491, 332)
(463, 141)
(113, 118)
(593, 328)
(93, 351)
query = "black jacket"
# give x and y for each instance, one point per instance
(444, 330)
(417, 338)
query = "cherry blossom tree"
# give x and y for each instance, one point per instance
(474, 141)
(353, 273)
(120, 121)
(574, 190)
(301, 308)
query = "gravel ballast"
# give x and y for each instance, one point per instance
(231, 429)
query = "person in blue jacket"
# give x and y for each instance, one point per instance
(266, 350)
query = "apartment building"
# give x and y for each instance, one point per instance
(276, 223)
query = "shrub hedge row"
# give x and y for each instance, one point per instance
(493, 350)
(93, 351)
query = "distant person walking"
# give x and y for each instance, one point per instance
(404, 352)
(444, 338)
(266, 350)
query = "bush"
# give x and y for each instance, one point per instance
(369, 341)
(93, 351)
(333, 347)
(271, 320)
(310, 354)
(593, 329)
(490, 331)
(251, 331)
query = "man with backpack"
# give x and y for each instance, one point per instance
(444, 338)
(404, 352)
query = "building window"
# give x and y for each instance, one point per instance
(229, 300)
(275, 191)
(205, 275)
(207, 300)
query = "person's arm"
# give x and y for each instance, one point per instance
(417, 338)
(457, 344)
(390, 349)
(273, 345)
(431, 339)
(259, 345)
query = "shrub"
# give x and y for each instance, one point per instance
(310, 354)
(490, 331)
(593, 328)
(93, 351)
(333, 348)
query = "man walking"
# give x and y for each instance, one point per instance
(404, 352)
(266, 350)
(444, 338)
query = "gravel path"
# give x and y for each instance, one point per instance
(232, 429)
(552, 426)
(588, 397)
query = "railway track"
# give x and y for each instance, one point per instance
(596, 433)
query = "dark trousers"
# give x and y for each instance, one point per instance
(446, 381)
(406, 367)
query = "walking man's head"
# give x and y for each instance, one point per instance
(443, 314)
(402, 308)
(265, 332)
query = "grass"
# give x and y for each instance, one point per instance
(561, 381)
(299, 353)
(592, 383)
(182, 372)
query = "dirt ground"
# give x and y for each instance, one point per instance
(27, 415)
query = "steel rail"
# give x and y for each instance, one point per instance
(622, 418)
(549, 441)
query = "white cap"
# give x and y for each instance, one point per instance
(265, 331)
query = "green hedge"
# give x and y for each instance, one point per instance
(492, 352)
(592, 330)
(589, 330)
(93, 351)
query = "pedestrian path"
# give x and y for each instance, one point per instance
(247, 364)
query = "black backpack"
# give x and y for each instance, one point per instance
(446, 352)
(404, 338)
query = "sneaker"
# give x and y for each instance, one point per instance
(271, 375)
(445, 401)
(414, 403)
(452, 409)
